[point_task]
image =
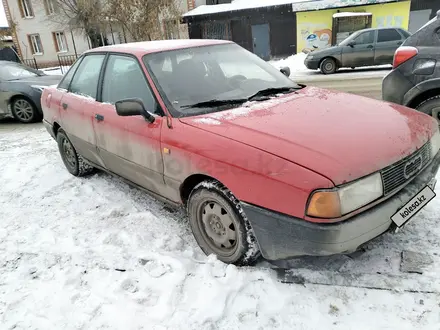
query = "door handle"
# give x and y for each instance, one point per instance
(65, 106)
(99, 117)
(370, 46)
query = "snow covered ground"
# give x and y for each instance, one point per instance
(94, 253)
(299, 70)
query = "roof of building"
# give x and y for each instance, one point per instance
(297, 5)
(158, 45)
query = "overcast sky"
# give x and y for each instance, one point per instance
(3, 21)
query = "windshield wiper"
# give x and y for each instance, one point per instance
(271, 91)
(214, 103)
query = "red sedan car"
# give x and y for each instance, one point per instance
(263, 165)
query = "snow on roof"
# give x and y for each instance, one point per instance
(239, 5)
(350, 14)
(297, 5)
(3, 20)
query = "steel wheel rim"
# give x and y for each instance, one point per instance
(23, 110)
(69, 153)
(218, 228)
(328, 66)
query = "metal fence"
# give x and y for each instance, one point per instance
(32, 62)
(66, 61)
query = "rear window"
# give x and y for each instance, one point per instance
(405, 33)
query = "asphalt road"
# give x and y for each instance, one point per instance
(361, 82)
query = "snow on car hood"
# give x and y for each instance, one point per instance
(338, 135)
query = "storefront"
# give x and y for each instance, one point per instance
(323, 28)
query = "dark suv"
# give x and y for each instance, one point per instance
(415, 78)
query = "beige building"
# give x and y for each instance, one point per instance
(41, 38)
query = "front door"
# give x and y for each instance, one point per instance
(129, 146)
(261, 40)
(388, 40)
(361, 53)
(77, 104)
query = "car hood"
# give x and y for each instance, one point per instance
(340, 136)
(334, 50)
(39, 80)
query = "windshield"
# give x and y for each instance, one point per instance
(200, 75)
(16, 71)
(351, 37)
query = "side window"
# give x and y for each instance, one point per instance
(388, 35)
(65, 83)
(85, 80)
(124, 79)
(365, 38)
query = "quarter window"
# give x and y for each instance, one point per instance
(388, 35)
(365, 38)
(85, 80)
(124, 79)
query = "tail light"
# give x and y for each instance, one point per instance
(403, 54)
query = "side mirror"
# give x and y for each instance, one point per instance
(133, 107)
(352, 43)
(285, 71)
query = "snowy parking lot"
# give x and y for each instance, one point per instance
(94, 253)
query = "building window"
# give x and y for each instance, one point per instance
(50, 7)
(26, 8)
(60, 41)
(35, 42)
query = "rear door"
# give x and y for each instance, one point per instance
(388, 40)
(78, 103)
(362, 53)
(130, 146)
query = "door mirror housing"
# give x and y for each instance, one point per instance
(352, 43)
(285, 71)
(133, 107)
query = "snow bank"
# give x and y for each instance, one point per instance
(294, 62)
(93, 253)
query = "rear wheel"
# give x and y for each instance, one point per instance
(328, 66)
(220, 226)
(74, 162)
(25, 111)
(431, 107)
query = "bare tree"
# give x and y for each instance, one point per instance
(83, 15)
(142, 18)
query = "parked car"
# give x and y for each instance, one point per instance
(367, 47)
(415, 78)
(20, 91)
(262, 164)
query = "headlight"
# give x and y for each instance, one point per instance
(435, 143)
(337, 202)
(310, 57)
(40, 88)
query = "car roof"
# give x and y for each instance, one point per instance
(147, 47)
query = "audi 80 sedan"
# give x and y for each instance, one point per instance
(263, 166)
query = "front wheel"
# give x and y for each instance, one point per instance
(220, 226)
(431, 107)
(328, 66)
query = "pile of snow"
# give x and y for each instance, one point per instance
(294, 62)
(93, 253)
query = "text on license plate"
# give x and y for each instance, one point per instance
(413, 206)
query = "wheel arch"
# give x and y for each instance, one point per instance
(190, 183)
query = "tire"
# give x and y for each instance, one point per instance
(25, 111)
(74, 162)
(328, 66)
(215, 213)
(431, 107)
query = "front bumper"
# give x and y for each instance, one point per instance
(311, 64)
(282, 237)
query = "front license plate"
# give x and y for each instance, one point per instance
(413, 206)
